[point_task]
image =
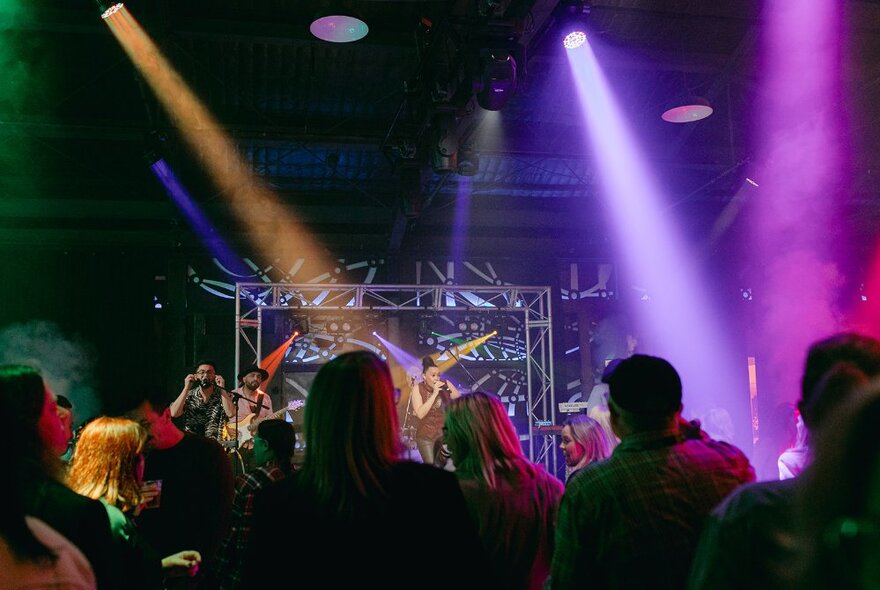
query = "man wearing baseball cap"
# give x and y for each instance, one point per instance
(633, 520)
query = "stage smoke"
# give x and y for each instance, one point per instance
(66, 365)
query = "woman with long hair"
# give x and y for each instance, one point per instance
(429, 400)
(584, 441)
(36, 439)
(354, 497)
(512, 501)
(108, 465)
(35, 555)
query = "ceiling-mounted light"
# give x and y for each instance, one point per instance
(108, 9)
(574, 40)
(574, 16)
(497, 79)
(338, 28)
(688, 110)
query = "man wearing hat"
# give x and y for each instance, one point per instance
(253, 401)
(633, 520)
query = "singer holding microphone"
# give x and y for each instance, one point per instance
(204, 402)
(429, 400)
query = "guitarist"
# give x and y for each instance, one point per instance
(254, 401)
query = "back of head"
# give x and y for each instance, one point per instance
(859, 353)
(646, 386)
(145, 390)
(840, 491)
(481, 437)
(22, 393)
(588, 433)
(350, 428)
(281, 438)
(106, 459)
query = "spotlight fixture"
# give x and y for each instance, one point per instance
(338, 28)
(108, 9)
(574, 40)
(688, 110)
(497, 79)
(574, 16)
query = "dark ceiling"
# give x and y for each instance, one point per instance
(333, 130)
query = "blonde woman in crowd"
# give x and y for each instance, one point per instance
(108, 465)
(584, 441)
(512, 500)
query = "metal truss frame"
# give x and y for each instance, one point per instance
(533, 302)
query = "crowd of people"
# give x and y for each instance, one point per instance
(148, 498)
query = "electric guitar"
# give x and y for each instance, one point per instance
(247, 426)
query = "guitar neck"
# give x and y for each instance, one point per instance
(279, 414)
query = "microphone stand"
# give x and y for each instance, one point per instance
(235, 397)
(459, 363)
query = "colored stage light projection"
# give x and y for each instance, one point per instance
(461, 218)
(411, 365)
(274, 230)
(273, 360)
(452, 355)
(675, 316)
(196, 219)
(865, 318)
(796, 217)
(405, 367)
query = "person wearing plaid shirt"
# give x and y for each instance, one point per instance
(633, 520)
(273, 451)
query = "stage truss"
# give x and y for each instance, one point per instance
(534, 303)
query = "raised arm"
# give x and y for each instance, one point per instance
(178, 404)
(422, 407)
(453, 392)
(225, 396)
